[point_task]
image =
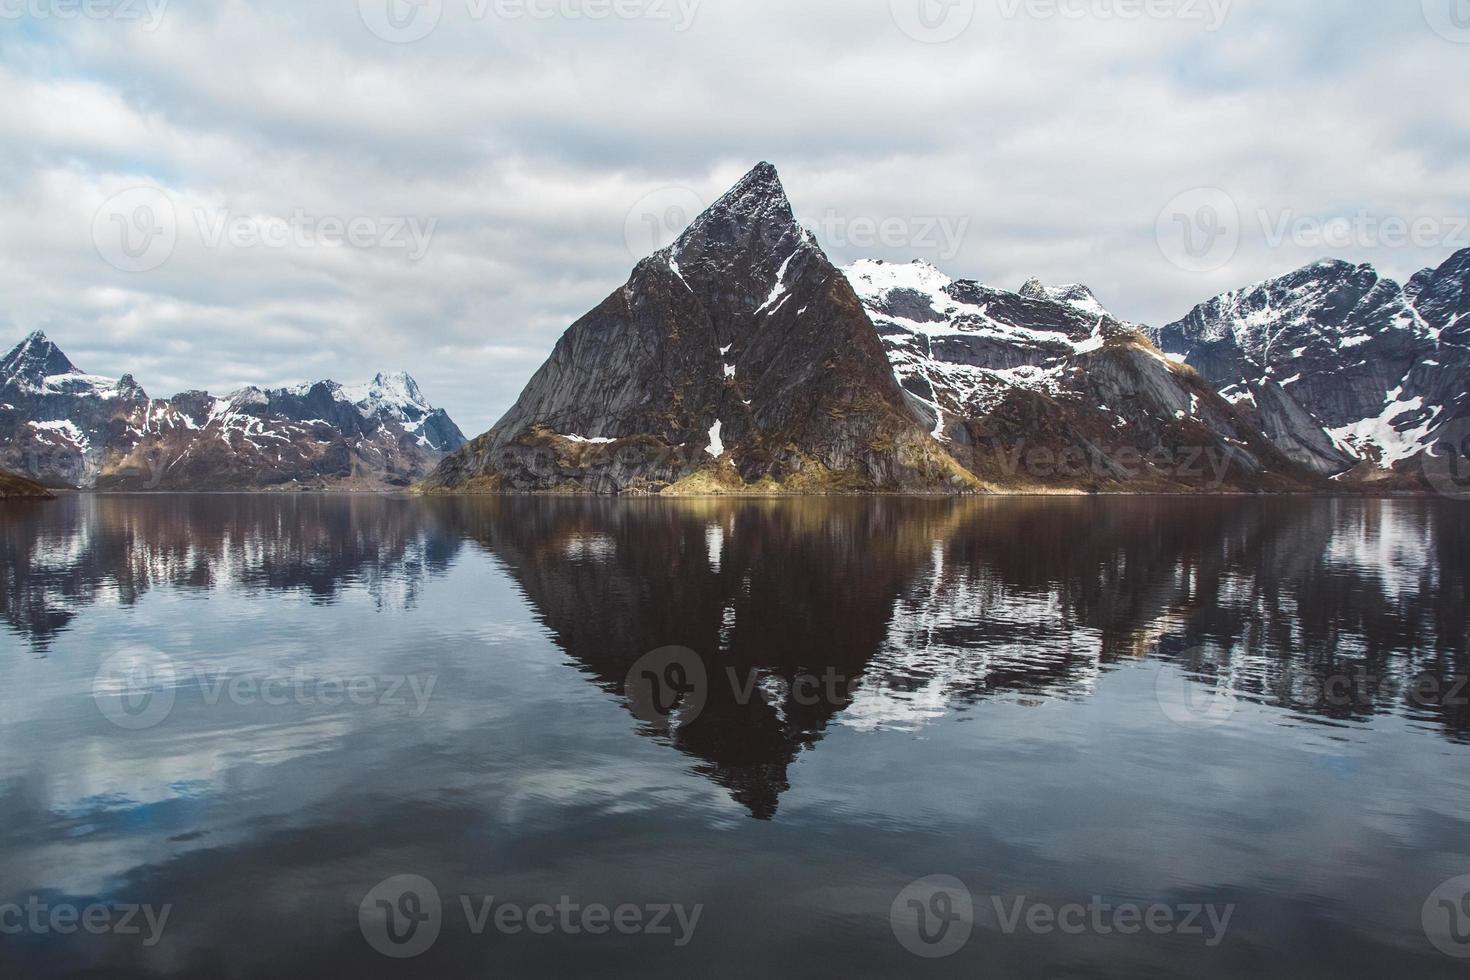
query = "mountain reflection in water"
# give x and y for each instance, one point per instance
(883, 618)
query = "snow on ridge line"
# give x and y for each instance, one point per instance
(396, 392)
(874, 279)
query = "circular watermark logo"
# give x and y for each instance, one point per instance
(933, 21)
(1450, 19)
(401, 21)
(135, 688)
(659, 218)
(401, 917)
(135, 230)
(1199, 230)
(1446, 463)
(667, 686)
(1446, 918)
(933, 917)
(1192, 703)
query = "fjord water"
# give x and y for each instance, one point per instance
(1182, 702)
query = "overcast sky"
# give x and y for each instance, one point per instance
(180, 180)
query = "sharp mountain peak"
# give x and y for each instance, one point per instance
(34, 358)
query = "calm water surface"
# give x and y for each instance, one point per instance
(255, 710)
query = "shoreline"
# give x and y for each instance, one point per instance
(57, 494)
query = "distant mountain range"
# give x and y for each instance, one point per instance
(65, 428)
(740, 359)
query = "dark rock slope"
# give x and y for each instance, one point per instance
(738, 358)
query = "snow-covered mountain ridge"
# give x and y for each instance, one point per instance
(68, 428)
(1338, 366)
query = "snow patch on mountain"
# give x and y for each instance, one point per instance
(1397, 434)
(65, 429)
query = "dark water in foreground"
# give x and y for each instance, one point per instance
(1136, 738)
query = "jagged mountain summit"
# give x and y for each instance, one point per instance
(741, 359)
(1075, 295)
(738, 358)
(70, 429)
(1045, 387)
(1381, 369)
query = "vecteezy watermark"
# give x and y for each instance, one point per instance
(1204, 466)
(943, 235)
(1098, 917)
(670, 687)
(38, 917)
(137, 230)
(1199, 230)
(933, 21)
(659, 217)
(303, 230)
(1446, 463)
(1364, 229)
(407, 21)
(1190, 700)
(148, 12)
(667, 687)
(1199, 700)
(401, 21)
(933, 917)
(1446, 918)
(1450, 19)
(137, 688)
(403, 916)
(1211, 14)
(679, 13)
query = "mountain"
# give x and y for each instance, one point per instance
(13, 487)
(67, 428)
(741, 359)
(1045, 388)
(1380, 369)
(738, 358)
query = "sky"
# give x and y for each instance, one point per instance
(214, 193)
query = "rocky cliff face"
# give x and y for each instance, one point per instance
(1045, 388)
(1380, 369)
(1442, 298)
(738, 358)
(66, 428)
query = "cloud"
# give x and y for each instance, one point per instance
(1051, 140)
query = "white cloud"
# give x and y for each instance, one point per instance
(526, 142)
